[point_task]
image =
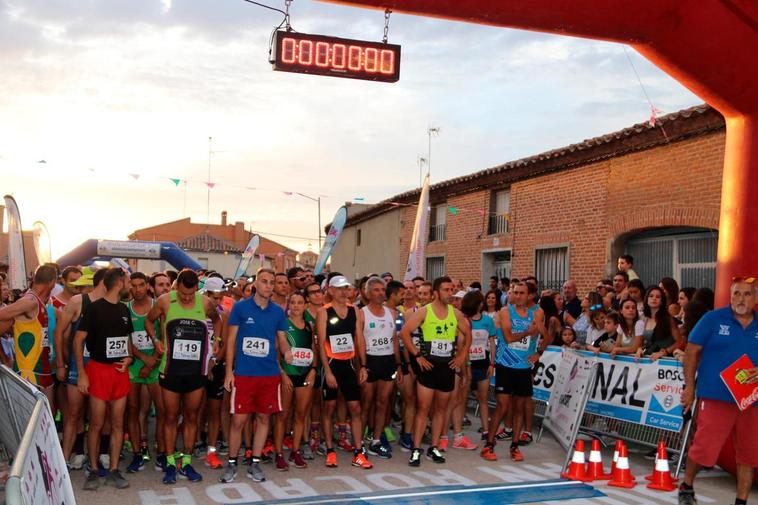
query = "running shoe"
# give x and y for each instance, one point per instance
(222, 448)
(504, 434)
(435, 455)
(344, 445)
(361, 461)
(464, 443)
(406, 442)
(443, 443)
(145, 453)
(116, 480)
(321, 449)
(378, 449)
(212, 461)
(306, 451)
(288, 442)
(268, 449)
(160, 463)
(686, 496)
(92, 482)
(415, 459)
(77, 461)
(127, 445)
(281, 464)
(386, 441)
(169, 476)
(297, 460)
(137, 464)
(247, 460)
(331, 459)
(200, 449)
(488, 453)
(516, 454)
(254, 472)
(229, 473)
(525, 438)
(189, 473)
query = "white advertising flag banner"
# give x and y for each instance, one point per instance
(416, 256)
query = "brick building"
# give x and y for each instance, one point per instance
(650, 191)
(215, 246)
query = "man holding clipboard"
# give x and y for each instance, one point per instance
(719, 340)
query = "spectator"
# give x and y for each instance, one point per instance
(492, 304)
(671, 287)
(620, 281)
(685, 296)
(636, 291)
(568, 336)
(630, 330)
(609, 299)
(625, 264)
(590, 303)
(720, 338)
(606, 341)
(552, 318)
(475, 286)
(505, 286)
(572, 307)
(558, 302)
(704, 296)
(597, 324)
(660, 335)
(495, 287)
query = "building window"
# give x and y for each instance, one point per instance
(358, 237)
(435, 267)
(203, 262)
(437, 223)
(500, 203)
(551, 267)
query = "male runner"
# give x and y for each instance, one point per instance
(256, 335)
(296, 278)
(159, 284)
(69, 275)
(340, 331)
(106, 327)
(513, 377)
(184, 366)
(315, 300)
(67, 370)
(281, 290)
(443, 348)
(30, 331)
(404, 293)
(143, 374)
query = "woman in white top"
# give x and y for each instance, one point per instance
(661, 336)
(630, 330)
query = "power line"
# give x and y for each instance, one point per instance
(265, 234)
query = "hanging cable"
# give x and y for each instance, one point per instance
(387, 13)
(653, 111)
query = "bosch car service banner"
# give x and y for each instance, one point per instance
(643, 392)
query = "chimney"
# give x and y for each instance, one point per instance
(223, 218)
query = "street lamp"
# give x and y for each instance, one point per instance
(316, 199)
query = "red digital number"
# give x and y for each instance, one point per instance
(387, 62)
(338, 55)
(354, 58)
(305, 54)
(322, 54)
(372, 60)
(288, 50)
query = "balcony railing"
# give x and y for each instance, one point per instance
(436, 232)
(498, 225)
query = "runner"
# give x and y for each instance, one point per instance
(315, 298)
(396, 293)
(30, 332)
(68, 276)
(281, 291)
(106, 327)
(159, 284)
(296, 279)
(512, 369)
(67, 371)
(340, 331)
(297, 383)
(216, 402)
(443, 349)
(256, 335)
(143, 374)
(184, 365)
(382, 358)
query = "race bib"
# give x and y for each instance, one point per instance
(521, 345)
(142, 341)
(116, 347)
(255, 347)
(441, 348)
(341, 343)
(302, 356)
(379, 346)
(45, 338)
(478, 350)
(188, 350)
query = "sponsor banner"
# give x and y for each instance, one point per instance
(42, 242)
(567, 396)
(16, 260)
(247, 256)
(335, 230)
(417, 256)
(129, 249)
(642, 392)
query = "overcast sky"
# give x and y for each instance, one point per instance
(119, 96)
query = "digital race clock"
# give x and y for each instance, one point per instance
(323, 55)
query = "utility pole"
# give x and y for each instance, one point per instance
(420, 160)
(432, 130)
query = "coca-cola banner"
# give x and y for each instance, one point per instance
(640, 391)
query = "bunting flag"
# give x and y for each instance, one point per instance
(16, 259)
(247, 256)
(42, 242)
(175, 181)
(480, 212)
(210, 184)
(654, 113)
(135, 176)
(288, 193)
(453, 211)
(416, 255)
(335, 230)
(262, 257)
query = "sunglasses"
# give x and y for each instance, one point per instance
(748, 280)
(596, 307)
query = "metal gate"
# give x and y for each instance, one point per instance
(690, 258)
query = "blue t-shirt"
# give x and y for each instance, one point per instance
(515, 354)
(723, 340)
(255, 354)
(481, 331)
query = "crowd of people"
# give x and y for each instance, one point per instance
(248, 367)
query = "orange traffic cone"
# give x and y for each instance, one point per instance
(622, 477)
(576, 469)
(595, 465)
(662, 480)
(616, 450)
(652, 475)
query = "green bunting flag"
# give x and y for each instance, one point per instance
(453, 210)
(176, 181)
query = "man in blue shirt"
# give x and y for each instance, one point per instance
(256, 334)
(717, 341)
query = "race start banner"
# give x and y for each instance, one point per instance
(639, 391)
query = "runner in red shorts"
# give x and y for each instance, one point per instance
(106, 327)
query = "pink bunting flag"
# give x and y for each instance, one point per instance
(135, 176)
(210, 184)
(262, 257)
(480, 212)
(288, 193)
(280, 254)
(653, 115)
